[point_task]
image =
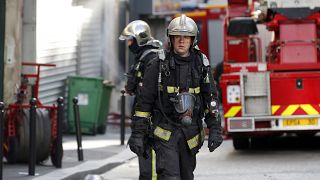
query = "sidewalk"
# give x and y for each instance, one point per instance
(101, 153)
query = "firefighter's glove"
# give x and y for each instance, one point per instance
(137, 140)
(215, 136)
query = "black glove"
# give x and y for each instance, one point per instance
(137, 140)
(215, 138)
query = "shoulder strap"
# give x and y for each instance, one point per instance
(146, 52)
(205, 60)
(159, 52)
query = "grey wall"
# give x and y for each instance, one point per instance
(111, 62)
(13, 53)
(2, 35)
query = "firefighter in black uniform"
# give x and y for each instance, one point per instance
(178, 92)
(144, 46)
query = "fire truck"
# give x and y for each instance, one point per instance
(276, 94)
(210, 20)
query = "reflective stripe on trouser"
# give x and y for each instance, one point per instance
(154, 170)
(192, 143)
(147, 167)
(170, 153)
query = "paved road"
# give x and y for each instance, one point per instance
(95, 148)
(276, 159)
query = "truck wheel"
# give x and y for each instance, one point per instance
(44, 135)
(23, 135)
(240, 143)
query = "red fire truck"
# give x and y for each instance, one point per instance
(210, 20)
(278, 94)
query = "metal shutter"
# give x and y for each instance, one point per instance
(71, 39)
(90, 40)
(57, 39)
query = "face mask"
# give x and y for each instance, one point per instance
(134, 46)
(184, 105)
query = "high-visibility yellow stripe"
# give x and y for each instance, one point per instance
(153, 160)
(194, 90)
(274, 108)
(232, 111)
(193, 142)
(172, 89)
(290, 110)
(142, 114)
(162, 133)
(309, 109)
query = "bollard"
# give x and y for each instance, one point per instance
(78, 127)
(59, 132)
(1, 136)
(122, 119)
(32, 137)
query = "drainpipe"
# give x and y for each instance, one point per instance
(2, 40)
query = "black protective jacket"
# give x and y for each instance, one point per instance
(178, 74)
(136, 71)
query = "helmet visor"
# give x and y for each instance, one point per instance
(125, 37)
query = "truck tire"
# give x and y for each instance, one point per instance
(23, 135)
(240, 143)
(44, 135)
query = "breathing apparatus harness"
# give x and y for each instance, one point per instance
(162, 57)
(184, 102)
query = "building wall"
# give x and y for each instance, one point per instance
(13, 53)
(112, 68)
(57, 38)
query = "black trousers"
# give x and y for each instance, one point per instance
(146, 166)
(174, 160)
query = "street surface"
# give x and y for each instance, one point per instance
(95, 148)
(288, 158)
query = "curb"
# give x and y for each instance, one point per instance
(90, 167)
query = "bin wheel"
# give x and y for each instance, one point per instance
(102, 129)
(11, 154)
(55, 155)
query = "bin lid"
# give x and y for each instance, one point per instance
(107, 83)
